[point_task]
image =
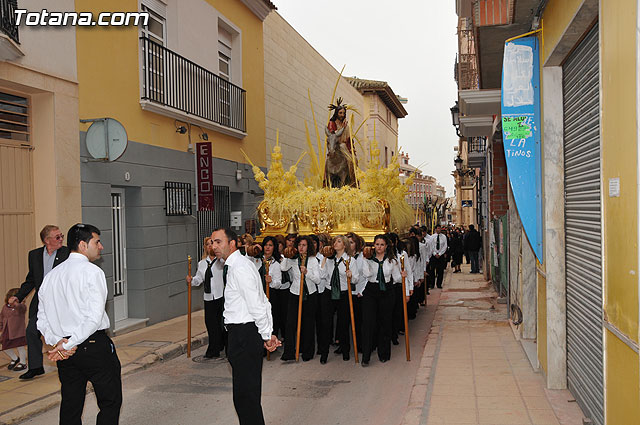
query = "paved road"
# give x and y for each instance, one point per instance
(182, 391)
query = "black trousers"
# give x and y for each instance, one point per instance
(245, 356)
(343, 321)
(437, 269)
(377, 309)
(307, 337)
(475, 265)
(214, 323)
(34, 344)
(324, 321)
(279, 299)
(95, 361)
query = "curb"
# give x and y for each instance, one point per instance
(52, 400)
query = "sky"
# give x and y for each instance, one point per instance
(412, 45)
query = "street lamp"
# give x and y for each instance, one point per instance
(455, 118)
(458, 164)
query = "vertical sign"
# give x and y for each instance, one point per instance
(521, 133)
(205, 176)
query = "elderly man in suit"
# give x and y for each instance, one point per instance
(41, 261)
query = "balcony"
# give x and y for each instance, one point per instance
(477, 147)
(9, 40)
(180, 88)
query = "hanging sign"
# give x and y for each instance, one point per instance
(521, 133)
(205, 176)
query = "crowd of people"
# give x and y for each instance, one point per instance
(328, 270)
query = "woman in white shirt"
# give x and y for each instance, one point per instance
(414, 262)
(357, 245)
(209, 273)
(335, 271)
(383, 269)
(278, 290)
(324, 312)
(301, 266)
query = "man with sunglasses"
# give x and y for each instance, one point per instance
(41, 261)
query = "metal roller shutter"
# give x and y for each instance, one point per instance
(583, 226)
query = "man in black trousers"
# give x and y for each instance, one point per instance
(72, 318)
(247, 317)
(41, 261)
(473, 243)
(438, 260)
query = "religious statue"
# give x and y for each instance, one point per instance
(341, 162)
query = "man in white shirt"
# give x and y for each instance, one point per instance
(438, 249)
(72, 319)
(247, 317)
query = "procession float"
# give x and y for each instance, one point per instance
(340, 193)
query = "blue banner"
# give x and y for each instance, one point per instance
(521, 133)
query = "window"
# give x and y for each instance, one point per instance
(14, 117)
(153, 52)
(224, 71)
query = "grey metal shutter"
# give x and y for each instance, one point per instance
(583, 226)
(219, 217)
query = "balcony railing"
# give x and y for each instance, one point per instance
(477, 144)
(174, 81)
(8, 19)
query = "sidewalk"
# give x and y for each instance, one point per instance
(474, 371)
(136, 350)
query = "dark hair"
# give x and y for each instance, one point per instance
(80, 233)
(413, 246)
(290, 236)
(311, 250)
(44, 233)
(335, 112)
(471, 227)
(276, 249)
(423, 228)
(11, 293)
(389, 251)
(358, 240)
(230, 234)
(315, 239)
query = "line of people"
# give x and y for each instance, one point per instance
(322, 267)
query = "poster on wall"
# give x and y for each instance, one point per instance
(521, 133)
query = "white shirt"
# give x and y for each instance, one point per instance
(71, 302)
(407, 267)
(244, 299)
(322, 283)
(275, 271)
(425, 255)
(443, 244)
(217, 285)
(391, 269)
(312, 278)
(327, 271)
(361, 283)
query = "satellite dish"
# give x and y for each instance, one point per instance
(106, 139)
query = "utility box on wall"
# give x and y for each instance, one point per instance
(236, 219)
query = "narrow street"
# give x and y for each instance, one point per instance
(183, 391)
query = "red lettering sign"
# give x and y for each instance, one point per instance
(205, 176)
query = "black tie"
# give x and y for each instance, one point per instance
(438, 241)
(224, 275)
(207, 277)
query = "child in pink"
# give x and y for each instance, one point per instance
(12, 327)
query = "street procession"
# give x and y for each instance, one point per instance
(341, 212)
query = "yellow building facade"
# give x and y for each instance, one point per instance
(193, 72)
(568, 26)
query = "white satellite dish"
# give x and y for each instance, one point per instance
(106, 139)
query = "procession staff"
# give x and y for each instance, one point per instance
(189, 309)
(334, 269)
(406, 320)
(353, 322)
(209, 274)
(247, 317)
(72, 318)
(302, 268)
(414, 262)
(324, 315)
(397, 325)
(382, 270)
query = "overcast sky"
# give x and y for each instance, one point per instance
(411, 44)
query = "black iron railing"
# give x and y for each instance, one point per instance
(177, 198)
(8, 18)
(172, 80)
(477, 144)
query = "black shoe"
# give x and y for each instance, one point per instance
(365, 363)
(346, 357)
(286, 358)
(395, 341)
(440, 287)
(13, 363)
(32, 373)
(383, 360)
(211, 355)
(337, 350)
(323, 359)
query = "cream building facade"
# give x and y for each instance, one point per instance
(39, 156)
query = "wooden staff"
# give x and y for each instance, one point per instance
(189, 311)
(266, 273)
(404, 307)
(302, 257)
(353, 322)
